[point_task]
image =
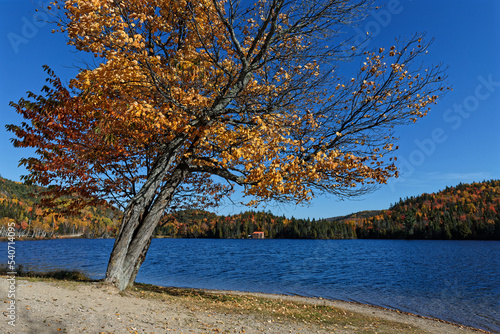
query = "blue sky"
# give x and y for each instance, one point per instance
(459, 141)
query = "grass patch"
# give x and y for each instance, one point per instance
(182, 292)
(61, 274)
(275, 310)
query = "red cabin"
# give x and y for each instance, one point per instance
(258, 235)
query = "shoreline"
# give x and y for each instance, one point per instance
(51, 306)
(343, 304)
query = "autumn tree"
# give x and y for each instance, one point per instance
(190, 98)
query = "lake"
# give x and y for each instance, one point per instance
(457, 281)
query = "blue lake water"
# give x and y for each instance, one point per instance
(458, 281)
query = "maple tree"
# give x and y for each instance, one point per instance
(190, 99)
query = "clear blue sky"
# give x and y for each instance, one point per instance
(458, 142)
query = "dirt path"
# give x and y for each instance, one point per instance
(73, 307)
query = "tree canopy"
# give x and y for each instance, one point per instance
(188, 99)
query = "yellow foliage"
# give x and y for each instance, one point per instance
(179, 87)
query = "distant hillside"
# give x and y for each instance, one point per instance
(467, 211)
(11, 189)
(357, 216)
(19, 207)
(202, 224)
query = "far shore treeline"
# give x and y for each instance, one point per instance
(466, 211)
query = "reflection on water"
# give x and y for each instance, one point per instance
(456, 281)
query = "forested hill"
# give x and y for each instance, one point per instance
(19, 207)
(202, 224)
(467, 211)
(356, 216)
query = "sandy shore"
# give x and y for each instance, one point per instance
(74, 307)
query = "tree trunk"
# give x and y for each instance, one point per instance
(140, 260)
(136, 232)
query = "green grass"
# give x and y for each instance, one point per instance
(61, 274)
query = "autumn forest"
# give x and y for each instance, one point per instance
(466, 211)
(19, 203)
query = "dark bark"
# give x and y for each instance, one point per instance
(136, 233)
(140, 260)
